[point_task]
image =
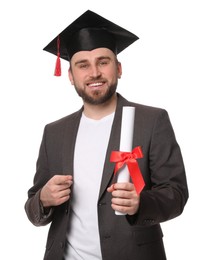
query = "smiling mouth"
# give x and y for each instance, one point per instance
(95, 84)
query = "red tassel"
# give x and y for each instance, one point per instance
(58, 67)
(58, 61)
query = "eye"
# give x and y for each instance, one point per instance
(83, 65)
(103, 62)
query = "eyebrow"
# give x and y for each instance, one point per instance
(98, 58)
(80, 61)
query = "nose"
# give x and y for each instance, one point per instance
(95, 71)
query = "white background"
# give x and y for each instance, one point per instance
(165, 68)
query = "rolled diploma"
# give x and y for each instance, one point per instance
(126, 138)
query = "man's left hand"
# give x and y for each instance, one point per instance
(125, 198)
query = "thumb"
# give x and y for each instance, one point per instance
(111, 188)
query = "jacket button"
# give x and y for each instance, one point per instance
(101, 204)
(106, 236)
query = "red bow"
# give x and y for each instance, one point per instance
(129, 158)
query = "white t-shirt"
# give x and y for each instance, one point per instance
(90, 150)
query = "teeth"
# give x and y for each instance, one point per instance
(96, 84)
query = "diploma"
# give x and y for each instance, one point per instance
(126, 138)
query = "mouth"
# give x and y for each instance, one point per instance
(95, 84)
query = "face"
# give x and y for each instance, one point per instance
(95, 75)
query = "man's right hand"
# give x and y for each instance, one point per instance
(56, 191)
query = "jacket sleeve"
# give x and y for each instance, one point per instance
(166, 191)
(33, 206)
(36, 213)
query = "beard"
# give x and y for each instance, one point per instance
(97, 96)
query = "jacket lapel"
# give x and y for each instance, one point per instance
(113, 145)
(69, 138)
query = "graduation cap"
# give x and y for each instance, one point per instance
(88, 32)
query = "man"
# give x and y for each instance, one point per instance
(74, 186)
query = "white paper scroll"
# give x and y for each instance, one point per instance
(126, 138)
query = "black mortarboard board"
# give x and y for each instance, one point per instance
(88, 32)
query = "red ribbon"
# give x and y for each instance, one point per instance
(129, 158)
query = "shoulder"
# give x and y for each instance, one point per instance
(63, 122)
(150, 113)
(141, 110)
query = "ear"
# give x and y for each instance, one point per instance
(70, 75)
(119, 69)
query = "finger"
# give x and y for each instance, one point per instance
(125, 209)
(123, 186)
(122, 202)
(122, 194)
(111, 188)
(61, 179)
(60, 200)
(64, 193)
(66, 186)
(120, 208)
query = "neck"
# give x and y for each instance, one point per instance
(99, 111)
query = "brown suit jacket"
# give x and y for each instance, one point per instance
(164, 196)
